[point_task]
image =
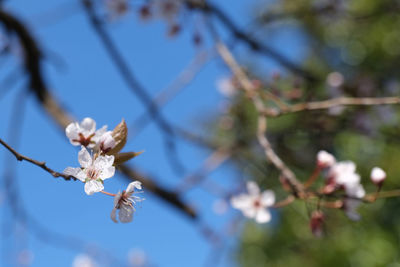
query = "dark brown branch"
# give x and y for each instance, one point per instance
(41, 164)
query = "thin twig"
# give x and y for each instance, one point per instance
(41, 164)
(334, 102)
(248, 86)
(212, 162)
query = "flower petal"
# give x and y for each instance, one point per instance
(267, 198)
(103, 162)
(125, 214)
(113, 215)
(99, 133)
(107, 173)
(88, 126)
(93, 187)
(250, 212)
(242, 201)
(131, 187)
(84, 158)
(76, 172)
(116, 199)
(355, 190)
(263, 216)
(350, 207)
(253, 188)
(72, 132)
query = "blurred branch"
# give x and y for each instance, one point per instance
(169, 196)
(133, 84)
(212, 162)
(254, 44)
(40, 164)
(248, 86)
(182, 81)
(335, 102)
(32, 57)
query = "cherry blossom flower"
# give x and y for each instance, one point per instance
(325, 159)
(106, 142)
(124, 202)
(344, 172)
(92, 172)
(84, 133)
(378, 175)
(255, 204)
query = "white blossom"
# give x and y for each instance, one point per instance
(377, 175)
(92, 172)
(344, 174)
(325, 159)
(106, 142)
(255, 204)
(84, 133)
(124, 202)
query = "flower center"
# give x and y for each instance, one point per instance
(92, 174)
(257, 203)
(84, 141)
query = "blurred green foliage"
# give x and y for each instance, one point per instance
(358, 41)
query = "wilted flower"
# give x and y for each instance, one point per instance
(255, 204)
(378, 175)
(325, 159)
(124, 202)
(84, 133)
(93, 172)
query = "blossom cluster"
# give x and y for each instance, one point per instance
(340, 181)
(98, 157)
(342, 175)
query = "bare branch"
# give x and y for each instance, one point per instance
(335, 102)
(212, 162)
(41, 164)
(247, 85)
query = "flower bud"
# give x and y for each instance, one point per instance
(317, 223)
(378, 175)
(325, 160)
(107, 142)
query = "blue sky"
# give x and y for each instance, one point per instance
(83, 78)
